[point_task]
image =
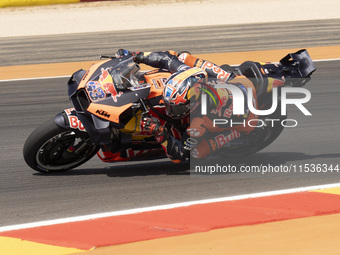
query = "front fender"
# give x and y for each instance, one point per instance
(68, 119)
(60, 120)
(97, 129)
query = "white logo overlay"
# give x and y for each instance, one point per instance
(239, 105)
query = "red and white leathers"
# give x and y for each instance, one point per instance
(201, 136)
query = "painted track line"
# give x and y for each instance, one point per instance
(67, 76)
(164, 207)
(37, 78)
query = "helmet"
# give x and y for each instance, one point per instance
(181, 91)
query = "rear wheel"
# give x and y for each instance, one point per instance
(47, 149)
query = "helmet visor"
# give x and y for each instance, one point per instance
(177, 111)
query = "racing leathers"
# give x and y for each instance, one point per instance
(201, 136)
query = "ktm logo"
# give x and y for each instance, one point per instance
(103, 113)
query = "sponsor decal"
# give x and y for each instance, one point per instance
(274, 83)
(159, 83)
(193, 132)
(105, 77)
(218, 109)
(69, 111)
(183, 57)
(199, 63)
(106, 82)
(220, 73)
(222, 140)
(95, 91)
(213, 145)
(168, 92)
(194, 153)
(85, 75)
(228, 112)
(103, 113)
(73, 120)
(190, 143)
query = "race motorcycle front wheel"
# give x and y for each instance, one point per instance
(51, 148)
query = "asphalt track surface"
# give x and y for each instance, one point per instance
(95, 187)
(208, 39)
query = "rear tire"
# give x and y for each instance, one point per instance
(44, 149)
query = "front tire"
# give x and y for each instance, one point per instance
(45, 149)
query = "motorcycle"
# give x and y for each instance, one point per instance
(111, 98)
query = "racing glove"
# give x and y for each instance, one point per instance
(154, 127)
(173, 148)
(122, 52)
(138, 56)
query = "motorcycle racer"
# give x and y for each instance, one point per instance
(190, 110)
(190, 78)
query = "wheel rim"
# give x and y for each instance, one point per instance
(50, 154)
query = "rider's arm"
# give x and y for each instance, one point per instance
(161, 59)
(168, 60)
(214, 71)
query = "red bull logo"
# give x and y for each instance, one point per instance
(105, 76)
(106, 82)
(111, 89)
(221, 104)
